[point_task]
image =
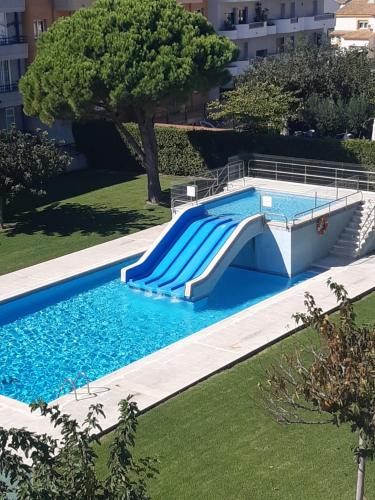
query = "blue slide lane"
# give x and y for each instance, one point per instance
(191, 252)
(177, 252)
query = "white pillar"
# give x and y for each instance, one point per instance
(373, 130)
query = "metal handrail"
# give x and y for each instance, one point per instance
(216, 179)
(73, 384)
(8, 87)
(301, 164)
(65, 381)
(306, 175)
(281, 215)
(297, 216)
(367, 225)
(12, 40)
(85, 377)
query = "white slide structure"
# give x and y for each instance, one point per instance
(200, 287)
(191, 255)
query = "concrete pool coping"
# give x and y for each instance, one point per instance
(167, 372)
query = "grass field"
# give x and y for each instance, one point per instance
(80, 210)
(214, 442)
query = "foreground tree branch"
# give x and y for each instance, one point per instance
(334, 384)
(66, 468)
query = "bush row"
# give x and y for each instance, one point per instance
(189, 152)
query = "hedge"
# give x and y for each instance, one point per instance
(189, 152)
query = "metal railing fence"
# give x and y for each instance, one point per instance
(8, 87)
(342, 202)
(367, 227)
(330, 174)
(12, 40)
(209, 184)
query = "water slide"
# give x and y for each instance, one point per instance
(191, 255)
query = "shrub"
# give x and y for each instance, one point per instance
(184, 151)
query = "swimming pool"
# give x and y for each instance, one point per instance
(97, 324)
(276, 205)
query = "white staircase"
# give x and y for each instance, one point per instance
(353, 239)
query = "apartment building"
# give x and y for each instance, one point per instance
(265, 28)
(258, 28)
(13, 56)
(355, 24)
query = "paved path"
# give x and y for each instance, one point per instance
(167, 372)
(60, 269)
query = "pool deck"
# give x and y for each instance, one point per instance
(169, 371)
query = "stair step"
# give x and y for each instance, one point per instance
(354, 224)
(350, 242)
(343, 251)
(343, 242)
(351, 232)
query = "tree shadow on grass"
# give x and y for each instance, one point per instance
(72, 184)
(70, 218)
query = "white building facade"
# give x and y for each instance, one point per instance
(265, 28)
(355, 23)
(13, 55)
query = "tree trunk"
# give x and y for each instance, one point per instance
(360, 473)
(150, 158)
(1, 212)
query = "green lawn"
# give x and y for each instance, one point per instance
(215, 442)
(80, 210)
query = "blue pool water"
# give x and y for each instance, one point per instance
(96, 324)
(249, 202)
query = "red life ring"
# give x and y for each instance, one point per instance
(322, 224)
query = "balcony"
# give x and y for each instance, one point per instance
(236, 68)
(10, 96)
(70, 5)
(12, 5)
(13, 48)
(322, 21)
(252, 30)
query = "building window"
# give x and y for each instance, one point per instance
(315, 7)
(5, 75)
(10, 117)
(293, 10)
(3, 25)
(242, 16)
(40, 26)
(319, 39)
(261, 53)
(362, 25)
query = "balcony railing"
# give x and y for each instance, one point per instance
(8, 87)
(13, 40)
(322, 17)
(259, 24)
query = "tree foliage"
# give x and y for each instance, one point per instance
(26, 162)
(323, 78)
(332, 117)
(332, 384)
(66, 468)
(260, 107)
(121, 60)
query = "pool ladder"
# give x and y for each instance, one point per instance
(73, 384)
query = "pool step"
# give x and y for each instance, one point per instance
(349, 243)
